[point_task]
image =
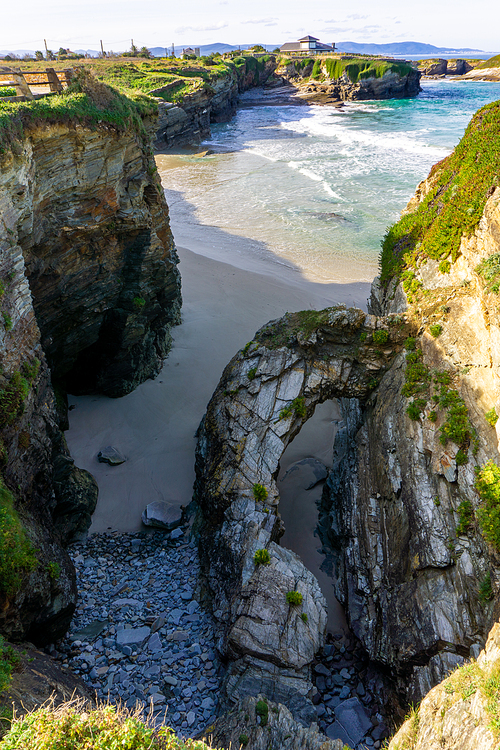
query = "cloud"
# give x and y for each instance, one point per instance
(355, 17)
(265, 21)
(212, 27)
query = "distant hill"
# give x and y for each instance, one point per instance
(400, 48)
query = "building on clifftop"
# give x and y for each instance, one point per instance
(307, 44)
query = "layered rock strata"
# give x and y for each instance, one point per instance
(399, 83)
(188, 122)
(266, 393)
(88, 292)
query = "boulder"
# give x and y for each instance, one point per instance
(162, 515)
(111, 456)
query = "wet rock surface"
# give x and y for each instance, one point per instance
(139, 635)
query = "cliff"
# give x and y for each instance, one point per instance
(187, 122)
(346, 79)
(411, 507)
(88, 293)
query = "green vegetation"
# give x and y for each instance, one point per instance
(461, 458)
(297, 407)
(461, 184)
(86, 101)
(262, 557)
(7, 321)
(358, 69)
(12, 398)
(445, 266)
(77, 728)
(491, 417)
(380, 337)
(9, 660)
(466, 517)
(435, 329)
(285, 331)
(139, 303)
(489, 269)
(54, 570)
(487, 485)
(252, 373)
(486, 589)
(294, 598)
(304, 617)
(262, 710)
(416, 407)
(7, 91)
(17, 555)
(31, 369)
(493, 62)
(243, 739)
(259, 492)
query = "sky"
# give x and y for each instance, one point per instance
(80, 24)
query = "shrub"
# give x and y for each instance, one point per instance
(445, 266)
(259, 492)
(461, 458)
(491, 417)
(262, 557)
(74, 727)
(380, 337)
(466, 516)
(17, 556)
(294, 598)
(487, 485)
(31, 369)
(12, 399)
(262, 710)
(486, 589)
(296, 407)
(457, 426)
(363, 336)
(433, 416)
(410, 344)
(304, 617)
(251, 373)
(243, 739)
(139, 303)
(436, 330)
(489, 269)
(7, 321)
(415, 408)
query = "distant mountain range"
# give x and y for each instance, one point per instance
(401, 48)
(394, 48)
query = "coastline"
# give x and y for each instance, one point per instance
(154, 426)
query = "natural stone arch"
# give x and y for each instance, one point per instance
(266, 393)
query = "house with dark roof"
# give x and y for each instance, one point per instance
(307, 44)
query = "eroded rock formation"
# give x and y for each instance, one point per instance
(266, 393)
(88, 292)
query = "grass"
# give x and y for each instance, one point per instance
(487, 485)
(466, 517)
(489, 270)
(17, 555)
(9, 660)
(251, 373)
(486, 589)
(12, 398)
(86, 101)
(73, 727)
(453, 207)
(297, 408)
(359, 69)
(262, 557)
(294, 598)
(261, 709)
(493, 62)
(260, 493)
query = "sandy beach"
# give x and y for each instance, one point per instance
(229, 291)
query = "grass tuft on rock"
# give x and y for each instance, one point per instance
(17, 555)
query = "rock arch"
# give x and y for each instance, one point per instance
(266, 393)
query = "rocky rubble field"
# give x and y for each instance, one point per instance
(139, 634)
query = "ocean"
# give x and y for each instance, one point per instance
(317, 186)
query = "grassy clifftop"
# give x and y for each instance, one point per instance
(460, 186)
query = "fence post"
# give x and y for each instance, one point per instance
(22, 88)
(54, 82)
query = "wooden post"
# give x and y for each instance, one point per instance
(22, 88)
(53, 80)
(46, 49)
(102, 50)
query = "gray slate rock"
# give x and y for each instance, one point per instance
(130, 636)
(351, 715)
(162, 515)
(111, 456)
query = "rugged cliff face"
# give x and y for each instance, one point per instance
(334, 79)
(188, 122)
(418, 575)
(88, 293)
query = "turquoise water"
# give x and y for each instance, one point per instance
(320, 185)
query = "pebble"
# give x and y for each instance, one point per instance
(138, 635)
